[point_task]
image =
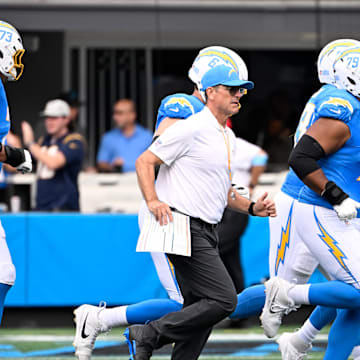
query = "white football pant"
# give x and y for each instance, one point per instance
(7, 268)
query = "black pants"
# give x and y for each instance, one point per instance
(209, 296)
(230, 230)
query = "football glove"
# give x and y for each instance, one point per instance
(347, 209)
(18, 158)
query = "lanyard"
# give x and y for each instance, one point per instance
(227, 143)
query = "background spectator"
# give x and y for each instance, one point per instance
(60, 155)
(121, 146)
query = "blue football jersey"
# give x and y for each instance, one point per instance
(178, 106)
(4, 115)
(343, 166)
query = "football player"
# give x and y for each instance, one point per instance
(326, 161)
(289, 257)
(11, 69)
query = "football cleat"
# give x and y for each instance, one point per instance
(137, 349)
(277, 304)
(287, 347)
(88, 327)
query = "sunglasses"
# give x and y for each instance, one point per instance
(233, 90)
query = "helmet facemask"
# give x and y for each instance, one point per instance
(18, 67)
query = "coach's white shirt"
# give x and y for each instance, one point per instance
(195, 177)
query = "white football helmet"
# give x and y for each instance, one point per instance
(347, 70)
(327, 57)
(11, 52)
(212, 56)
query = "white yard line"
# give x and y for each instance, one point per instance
(214, 338)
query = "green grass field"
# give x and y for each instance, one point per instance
(56, 344)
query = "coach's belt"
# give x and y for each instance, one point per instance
(203, 223)
(210, 227)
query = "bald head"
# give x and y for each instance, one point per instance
(124, 113)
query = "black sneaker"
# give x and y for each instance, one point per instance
(137, 349)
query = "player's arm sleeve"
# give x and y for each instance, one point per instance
(304, 157)
(105, 152)
(73, 151)
(174, 143)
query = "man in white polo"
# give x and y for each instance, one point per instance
(195, 179)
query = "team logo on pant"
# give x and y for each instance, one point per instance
(284, 241)
(334, 249)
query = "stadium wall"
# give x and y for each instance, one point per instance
(69, 259)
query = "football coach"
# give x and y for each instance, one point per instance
(195, 179)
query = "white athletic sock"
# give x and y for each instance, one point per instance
(307, 332)
(300, 294)
(113, 317)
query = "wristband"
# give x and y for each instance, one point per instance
(251, 209)
(333, 194)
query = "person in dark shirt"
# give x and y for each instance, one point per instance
(60, 155)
